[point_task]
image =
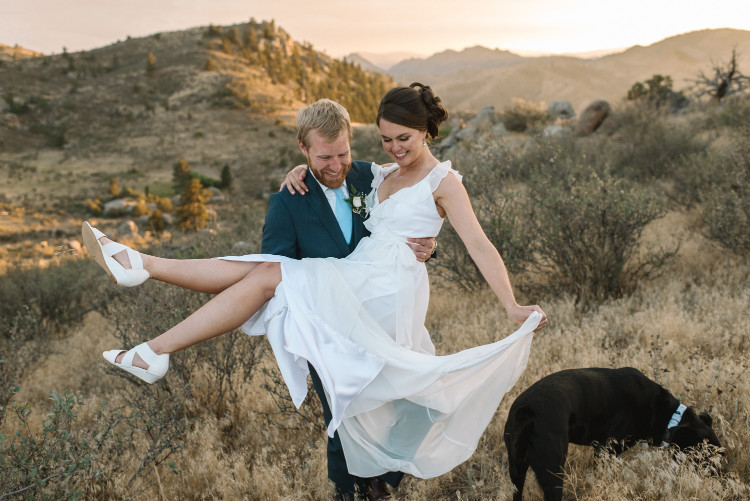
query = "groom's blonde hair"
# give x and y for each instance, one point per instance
(326, 117)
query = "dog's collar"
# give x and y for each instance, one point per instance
(673, 422)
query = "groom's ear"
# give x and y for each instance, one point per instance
(302, 147)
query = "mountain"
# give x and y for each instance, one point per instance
(451, 61)
(477, 76)
(214, 96)
(381, 61)
(365, 64)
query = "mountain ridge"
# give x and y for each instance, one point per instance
(478, 76)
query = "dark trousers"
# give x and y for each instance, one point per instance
(346, 484)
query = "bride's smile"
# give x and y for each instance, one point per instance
(405, 145)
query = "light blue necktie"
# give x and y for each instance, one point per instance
(343, 214)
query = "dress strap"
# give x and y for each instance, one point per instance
(438, 173)
(379, 173)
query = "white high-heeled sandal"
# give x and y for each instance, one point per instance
(102, 254)
(157, 364)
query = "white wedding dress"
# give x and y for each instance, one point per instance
(360, 322)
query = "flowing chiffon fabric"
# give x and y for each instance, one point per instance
(360, 322)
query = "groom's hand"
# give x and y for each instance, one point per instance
(295, 180)
(422, 247)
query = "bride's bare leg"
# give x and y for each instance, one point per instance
(202, 275)
(224, 313)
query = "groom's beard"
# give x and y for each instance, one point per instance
(323, 175)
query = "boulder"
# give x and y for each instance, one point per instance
(499, 129)
(561, 110)
(484, 119)
(592, 117)
(216, 194)
(118, 207)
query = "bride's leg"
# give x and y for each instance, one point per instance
(202, 275)
(224, 313)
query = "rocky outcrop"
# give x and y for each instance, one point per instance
(486, 122)
(592, 117)
(561, 111)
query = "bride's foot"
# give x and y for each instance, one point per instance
(122, 264)
(140, 361)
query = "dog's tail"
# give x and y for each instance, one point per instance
(518, 431)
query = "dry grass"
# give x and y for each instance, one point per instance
(685, 330)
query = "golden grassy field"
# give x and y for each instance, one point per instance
(685, 330)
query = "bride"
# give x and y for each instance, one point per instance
(359, 321)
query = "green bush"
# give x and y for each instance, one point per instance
(499, 210)
(523, 115)
(586, 226)
(645, 144)
(657, 92)
(54, 463)
(726, 193)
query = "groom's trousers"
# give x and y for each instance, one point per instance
(346, 484)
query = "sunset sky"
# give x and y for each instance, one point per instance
(340, 27)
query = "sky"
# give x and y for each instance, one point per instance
(340, 27)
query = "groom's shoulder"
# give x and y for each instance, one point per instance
(362, 170)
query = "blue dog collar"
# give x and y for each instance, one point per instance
(673, 422)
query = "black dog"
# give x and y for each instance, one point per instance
(600, 407)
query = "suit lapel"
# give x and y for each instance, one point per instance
(318, 204)
(357, 219)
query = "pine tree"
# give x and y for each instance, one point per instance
(251, 40)
(114, 187)
(150, 63)
(192, 211)
(226, 177)
(181, 176)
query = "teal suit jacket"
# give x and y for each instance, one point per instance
(305, 226)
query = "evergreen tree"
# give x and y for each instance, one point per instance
(114, 187)
(251, 40)
(192, 211)
(181, 176)
(226, 177)
(234, 36)
(150, 62)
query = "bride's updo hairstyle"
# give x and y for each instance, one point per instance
(415, 107)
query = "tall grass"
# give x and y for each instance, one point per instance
(213, 430)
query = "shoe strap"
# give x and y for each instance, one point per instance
(144, 351)
(112, 248)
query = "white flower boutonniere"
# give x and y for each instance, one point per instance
(356, 201)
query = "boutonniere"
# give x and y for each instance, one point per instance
(356, 201)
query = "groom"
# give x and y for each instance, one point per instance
(321, 223)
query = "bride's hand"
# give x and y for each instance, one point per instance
(519, 314)
(295, 180)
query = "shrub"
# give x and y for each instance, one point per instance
(646, 144)
(500, 212)
(141, 209)
(586, 226)
(523, 115)
(657, 92)
(55, 463)
(192, 211)
(150, 63)
(727, 197)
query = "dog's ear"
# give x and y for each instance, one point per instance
(706, 418)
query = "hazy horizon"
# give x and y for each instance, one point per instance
(538, 27)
